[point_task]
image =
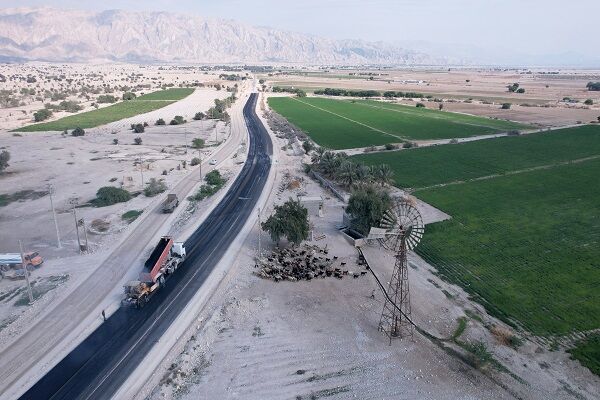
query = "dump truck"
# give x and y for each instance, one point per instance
(13, 260)
(170, 203)
(166, 257)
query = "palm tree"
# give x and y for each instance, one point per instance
(328, 163)
(346, 173)
(383, 174)
(363, 173)
(317, 154)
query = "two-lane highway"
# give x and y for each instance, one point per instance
(100, 364)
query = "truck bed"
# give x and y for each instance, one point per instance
(157, 253)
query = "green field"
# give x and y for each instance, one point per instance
(114, 112)
(167, 94)
(342, 124)
(527, 246)
(427, 166)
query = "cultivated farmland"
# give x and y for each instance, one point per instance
(427, 166)
(115, 112)
(527, 245)
(341, 124)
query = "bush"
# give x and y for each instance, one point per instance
(106, 98)
(420, 105)
(195, 161)
(115, 141)
(160, 121)
(154, 187)
(199, 116)
(505, 106)
(109, 195)
(131, 215)
(408, 145)
(588, 102)
(198, 143)
(214, 178)
(128, 96)
(137, 140)
(77, 132)
(520, 90)
(390, 146)
(178, 120)
(42, 115)
(138, 128)
(593, 86)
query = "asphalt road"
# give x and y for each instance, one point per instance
(102, 362)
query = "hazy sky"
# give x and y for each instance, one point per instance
(527, 26)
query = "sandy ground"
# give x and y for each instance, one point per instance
(258, 339)
(484, 86)
(83, 83)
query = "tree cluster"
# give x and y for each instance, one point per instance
(408, 95)
(593, 86)
(340, 168)
(348, 92)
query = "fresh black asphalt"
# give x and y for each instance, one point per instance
(101, 363)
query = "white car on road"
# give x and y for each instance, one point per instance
(212, 162)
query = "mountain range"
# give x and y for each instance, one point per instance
(57, 35)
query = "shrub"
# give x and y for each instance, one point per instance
(137, 140)
(420, 105)
(199, 116)
(588, 102)
(195, 161)
(128, 96)
(390, 146)
(77, 132)
(198, 143)
(154, 187)
(42, 115)
(408, 145)
(115, 141)
(131, 215)
(106, 98)
(520, 90)
(160, 121)
(109, 195)
(505, 106)
(214, 178)
(177, 120)
(138, 128)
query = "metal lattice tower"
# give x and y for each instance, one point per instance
(403, 230)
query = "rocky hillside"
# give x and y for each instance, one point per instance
(68, 35)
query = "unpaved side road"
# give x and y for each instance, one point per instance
(25, 360)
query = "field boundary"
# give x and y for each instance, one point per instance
(349, 119)
(514, 172)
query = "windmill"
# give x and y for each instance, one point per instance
(401, 230)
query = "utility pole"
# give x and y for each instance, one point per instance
(200, 164)
(259, 234)
(185, 133)
(76, 227)
(51, 190)
(24, 265)
(142, 171)
(82, 222)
